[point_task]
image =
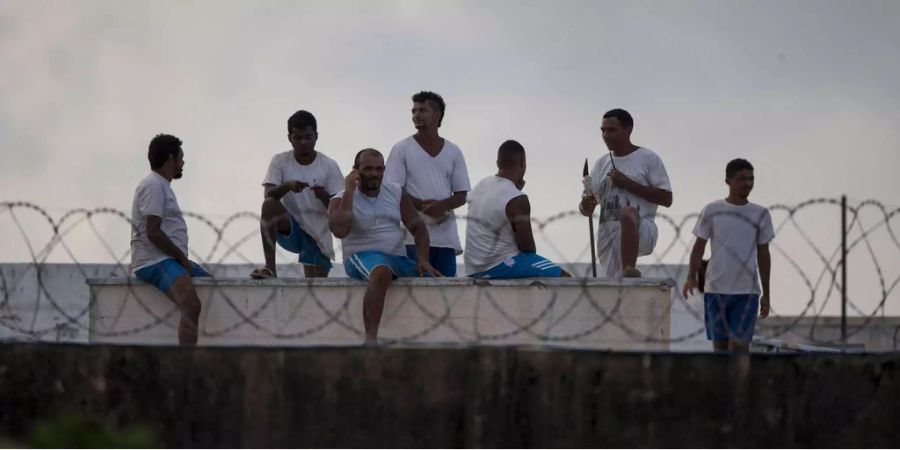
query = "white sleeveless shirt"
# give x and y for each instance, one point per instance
(489, 235)
(376, 222)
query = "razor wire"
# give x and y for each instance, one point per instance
(809, 264)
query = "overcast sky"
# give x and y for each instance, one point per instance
(808, 91)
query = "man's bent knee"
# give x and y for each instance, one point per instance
(381, 275)
(182, 291)
(271, 207)
(628, 215)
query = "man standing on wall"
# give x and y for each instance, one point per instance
(740, 232)
(432, 172)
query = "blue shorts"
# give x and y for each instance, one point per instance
(522, 265)
(305, 246)
(730, 317)
(360, 265)
(441, 258)
(164, 273)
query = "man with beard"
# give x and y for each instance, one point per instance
(432, 172)
(366, 216)
(159, 239)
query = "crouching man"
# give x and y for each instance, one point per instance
(499, 239)
(366, 216)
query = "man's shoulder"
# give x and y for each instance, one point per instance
(757, 208)
(717, 203)
(392, 187)
(647, 155)
(448, 144)
(403, 145)
(282, 157)
(601, 161)
(483, 183)
(326, 160)
(152, 181)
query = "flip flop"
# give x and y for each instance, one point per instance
(262, 272)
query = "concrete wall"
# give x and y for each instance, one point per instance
(863, 333)
(49, 302)
(630, 314)
(472, 397)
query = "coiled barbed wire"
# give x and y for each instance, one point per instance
(818, 281)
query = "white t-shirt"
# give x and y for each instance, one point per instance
(426, 177)
(154, 197)
(734, 231)
(376, 223)
(642, 166)
(489, 235)
(303, 206)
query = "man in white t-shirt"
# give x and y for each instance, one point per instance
(499, 239)
(159, 239)
(369, 217)
(432, 172)
(740, 232)
(629, 184)
(297, 188)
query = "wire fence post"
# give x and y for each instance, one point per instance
(844, 270)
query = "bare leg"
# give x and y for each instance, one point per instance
(183, 294)
(720, 346)
(273, 219)
(628, 220)
(311, 271)
(738, 346)
(373, 302)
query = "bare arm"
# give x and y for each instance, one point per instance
(322, 195)
(694, 269)
(764, 260)
(437, 208)
(340, 210)
(518, 212)
(162, 242)
(276, 192)
(658, 196)
(416, 227)
(414, 224)
(454, 201)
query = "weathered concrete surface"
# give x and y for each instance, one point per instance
(627, 314)
(472, 397)
(866, 333)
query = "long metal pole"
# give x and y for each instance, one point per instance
(585, 173)
(844, 270)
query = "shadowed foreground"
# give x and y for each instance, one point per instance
(451, 397)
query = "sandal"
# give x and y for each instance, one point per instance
(262, 272)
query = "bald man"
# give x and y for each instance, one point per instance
(499, 239)
(367, 217)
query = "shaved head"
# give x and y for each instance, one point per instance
(366, 151)
(510, 154)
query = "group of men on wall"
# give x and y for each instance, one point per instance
(395, 218)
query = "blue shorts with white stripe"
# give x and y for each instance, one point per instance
(522, 265)
(360, 265)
